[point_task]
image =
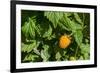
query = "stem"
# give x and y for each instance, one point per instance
(71, 34)
(76, 51)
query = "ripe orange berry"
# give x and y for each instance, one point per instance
(64, 41)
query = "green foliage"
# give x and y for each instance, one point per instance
(31, 57)
(54, 17)
(58, 56)
(28, 47)
(78, 37)
(45, 53)
(41, 30)
(77, 18)
(48, 33)
(29, 28)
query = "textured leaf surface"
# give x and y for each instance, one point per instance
(78, 37)
(78, 18)
(48, 33)
(30, 57)
(45, 53)
(54, 17)
(85, 48)
(29, 29)
(28, 47)
(58, 56)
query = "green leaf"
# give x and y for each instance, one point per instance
(48, 32)
(58, 56)
(54, 17)
(36, 48)
(70, 24)
(75, 26)
(28, 29)
(45, 53)
(51, 37)
(86, 56)
(85, 48)
(78, 37)
(30, 57)
(77, 18)
(64, 55)
(38, 29)
(28, 47)
(63, 26)
(68, 14)
(81, 58)
(66, 20)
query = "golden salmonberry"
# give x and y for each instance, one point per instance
(64, 41)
